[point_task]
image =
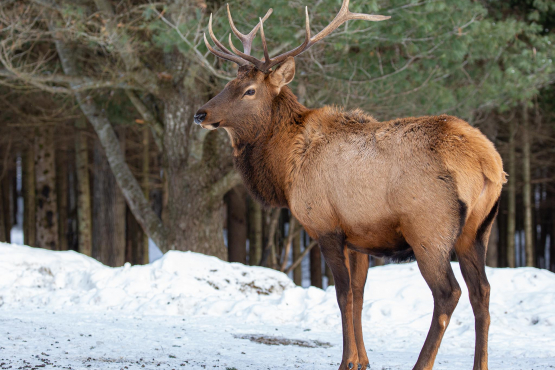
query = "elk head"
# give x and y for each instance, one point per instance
(246, 102)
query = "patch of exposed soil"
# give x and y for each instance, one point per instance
(280, 341)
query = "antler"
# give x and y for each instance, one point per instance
(245, 39)
(242, 58)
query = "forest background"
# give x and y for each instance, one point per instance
(99, 152)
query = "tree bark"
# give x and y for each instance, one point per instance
(5, 216)
(136, 250)
(552, 242)
(297, 271)
(527, 191)
(45, 176)
(511, 198)
(84, 221)
(134, 240)
(108, 216)
(6, 195)
(237, 224)
(29, 192)
(62, 188)
(255, 233)
(293, 230)
(144, 257)
(269, 252)
(329, 275)
(492, 256)
(316, 267)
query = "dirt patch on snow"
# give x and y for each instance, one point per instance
(280, 341)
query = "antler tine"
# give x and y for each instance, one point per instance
(341, 17)
(257, 63)
(214, 39)
(299, 49)
(230, 57)
(264, 45)
(246, 40)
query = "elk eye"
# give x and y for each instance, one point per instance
(249, 92)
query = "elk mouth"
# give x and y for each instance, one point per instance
(211, 126)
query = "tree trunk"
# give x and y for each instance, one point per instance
(502, 230)
(195, 219)
(511, 199)
(527, 191)
(5, 212)
(14, 194)
(195, 211)
(29, 192)
(237, 224)
(134, 250)
(270, 229)
(108, 227)
(62, 188)
(492, 256)
(255, 233)
(84, 222)
(45, 176)
(297, 271)
(144, 257)
(316, 267)
(552, 242)
(329, 275)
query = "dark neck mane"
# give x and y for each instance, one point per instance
(261, 158)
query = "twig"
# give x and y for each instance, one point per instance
(303, 255)
(292, 234)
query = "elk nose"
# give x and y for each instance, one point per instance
(199, 117)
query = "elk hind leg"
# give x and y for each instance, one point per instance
(471, 250)
(432, 249)
(446, 292)
(359, 271)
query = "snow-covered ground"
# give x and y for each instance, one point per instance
(185, 310)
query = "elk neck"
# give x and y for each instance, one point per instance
(261, 158)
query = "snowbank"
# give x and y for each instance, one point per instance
(397, 300)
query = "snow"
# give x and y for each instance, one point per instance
(187, 310)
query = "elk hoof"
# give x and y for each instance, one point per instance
(350, 365)
(368, 366)
(359, 367)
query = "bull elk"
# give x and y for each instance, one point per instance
(406, 188)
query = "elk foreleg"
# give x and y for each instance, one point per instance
(336, 255)
(359, 271)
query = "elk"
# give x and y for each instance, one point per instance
(406, 188)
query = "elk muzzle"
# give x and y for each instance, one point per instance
(199, 117)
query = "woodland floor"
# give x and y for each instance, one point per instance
(64, 310)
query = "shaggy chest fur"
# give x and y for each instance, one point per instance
(259, 175)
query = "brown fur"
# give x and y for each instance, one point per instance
(424, 186)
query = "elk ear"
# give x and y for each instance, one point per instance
(284, 73)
